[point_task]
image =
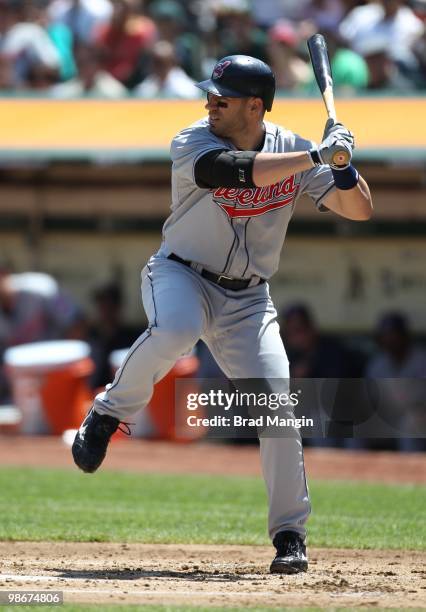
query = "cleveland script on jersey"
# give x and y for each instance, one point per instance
(249, 224)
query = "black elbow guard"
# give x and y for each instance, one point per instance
(225, 169)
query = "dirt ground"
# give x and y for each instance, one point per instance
(214, 575)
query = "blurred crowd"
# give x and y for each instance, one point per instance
(33, 308)
(159, 48)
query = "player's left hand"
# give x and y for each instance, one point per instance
(339, 132)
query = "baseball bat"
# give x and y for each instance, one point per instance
(322, 70)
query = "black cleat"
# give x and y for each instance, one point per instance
(291, 554)
(92, 439)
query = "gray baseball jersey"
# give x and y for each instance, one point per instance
(238, 232)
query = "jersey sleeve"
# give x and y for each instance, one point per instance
(317, 182)
(189, 146)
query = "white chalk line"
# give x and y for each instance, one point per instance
(129, 590)
(162, 593)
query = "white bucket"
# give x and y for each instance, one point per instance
(28, 365)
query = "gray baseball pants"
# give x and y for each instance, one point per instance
(242, 333)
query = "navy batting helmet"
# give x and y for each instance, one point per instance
(241, 76)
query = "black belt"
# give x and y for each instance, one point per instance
(234, 284)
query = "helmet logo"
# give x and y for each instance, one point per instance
(220, 68)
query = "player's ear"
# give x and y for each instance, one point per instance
(255, 105)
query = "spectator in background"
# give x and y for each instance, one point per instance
(398, 358)
(92, 80)
(32, 308)
(310, 354)
(124, 40)
(350, 70)
(59, 33)
(166, 79)
(81, 16)
(291, 71)
(389, 21)
(33, 58)
(237, 33)
(313, 355)
(108, 332)
(382, 69)
(171, 23)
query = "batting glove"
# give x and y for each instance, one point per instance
(340, 131)
(336, 139)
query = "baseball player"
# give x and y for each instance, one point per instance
(235, 181)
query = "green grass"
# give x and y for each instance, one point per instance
(39, 504)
